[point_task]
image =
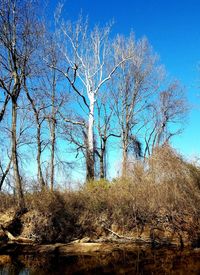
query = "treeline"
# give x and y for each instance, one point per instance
(71, 86)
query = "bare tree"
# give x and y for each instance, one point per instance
(106, 129)
(83, 61)
(6, 142)
(91, 60)
(18, 36)
(55, 98)
(135, 84)
(39, 119)
(167, 116)
(75, 132)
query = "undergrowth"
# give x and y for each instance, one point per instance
(163, 187)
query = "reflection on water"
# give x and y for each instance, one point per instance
(138, 261)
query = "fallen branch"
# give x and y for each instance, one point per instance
(11, 225)
(15, 239)
(127, 237)
(117, 235)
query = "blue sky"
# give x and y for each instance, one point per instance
(173, 29)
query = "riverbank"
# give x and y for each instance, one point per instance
(18, 230)
(157, 204)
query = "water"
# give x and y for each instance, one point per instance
(138, 261)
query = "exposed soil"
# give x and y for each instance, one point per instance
(21, 228)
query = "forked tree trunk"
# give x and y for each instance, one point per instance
(17, 178)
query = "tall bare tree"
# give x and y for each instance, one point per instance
(91, 59)
(167, 116)
(55, 98)
(134, 85)
(106, 129)
(39, 117)
(18, 36)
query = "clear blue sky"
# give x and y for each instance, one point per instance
(173, 29)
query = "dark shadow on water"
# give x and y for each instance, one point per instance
(137, 261)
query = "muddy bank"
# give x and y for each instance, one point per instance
(30, 227)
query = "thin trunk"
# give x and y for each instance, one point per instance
(102, 176)
(102, 172)
(161, 133)
(39, 143)
(90, 143)
(125, 142)
(102, 159)
(53, 133)
(39, 152)
(124, 156)
(125, 133)
(4, 107)
(5, 173)
(17, 178)
(53, 139)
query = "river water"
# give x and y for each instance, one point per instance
(137, 261)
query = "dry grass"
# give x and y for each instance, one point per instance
(7, 201)
(164, 189)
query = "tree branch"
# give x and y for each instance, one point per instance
(4, 107)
